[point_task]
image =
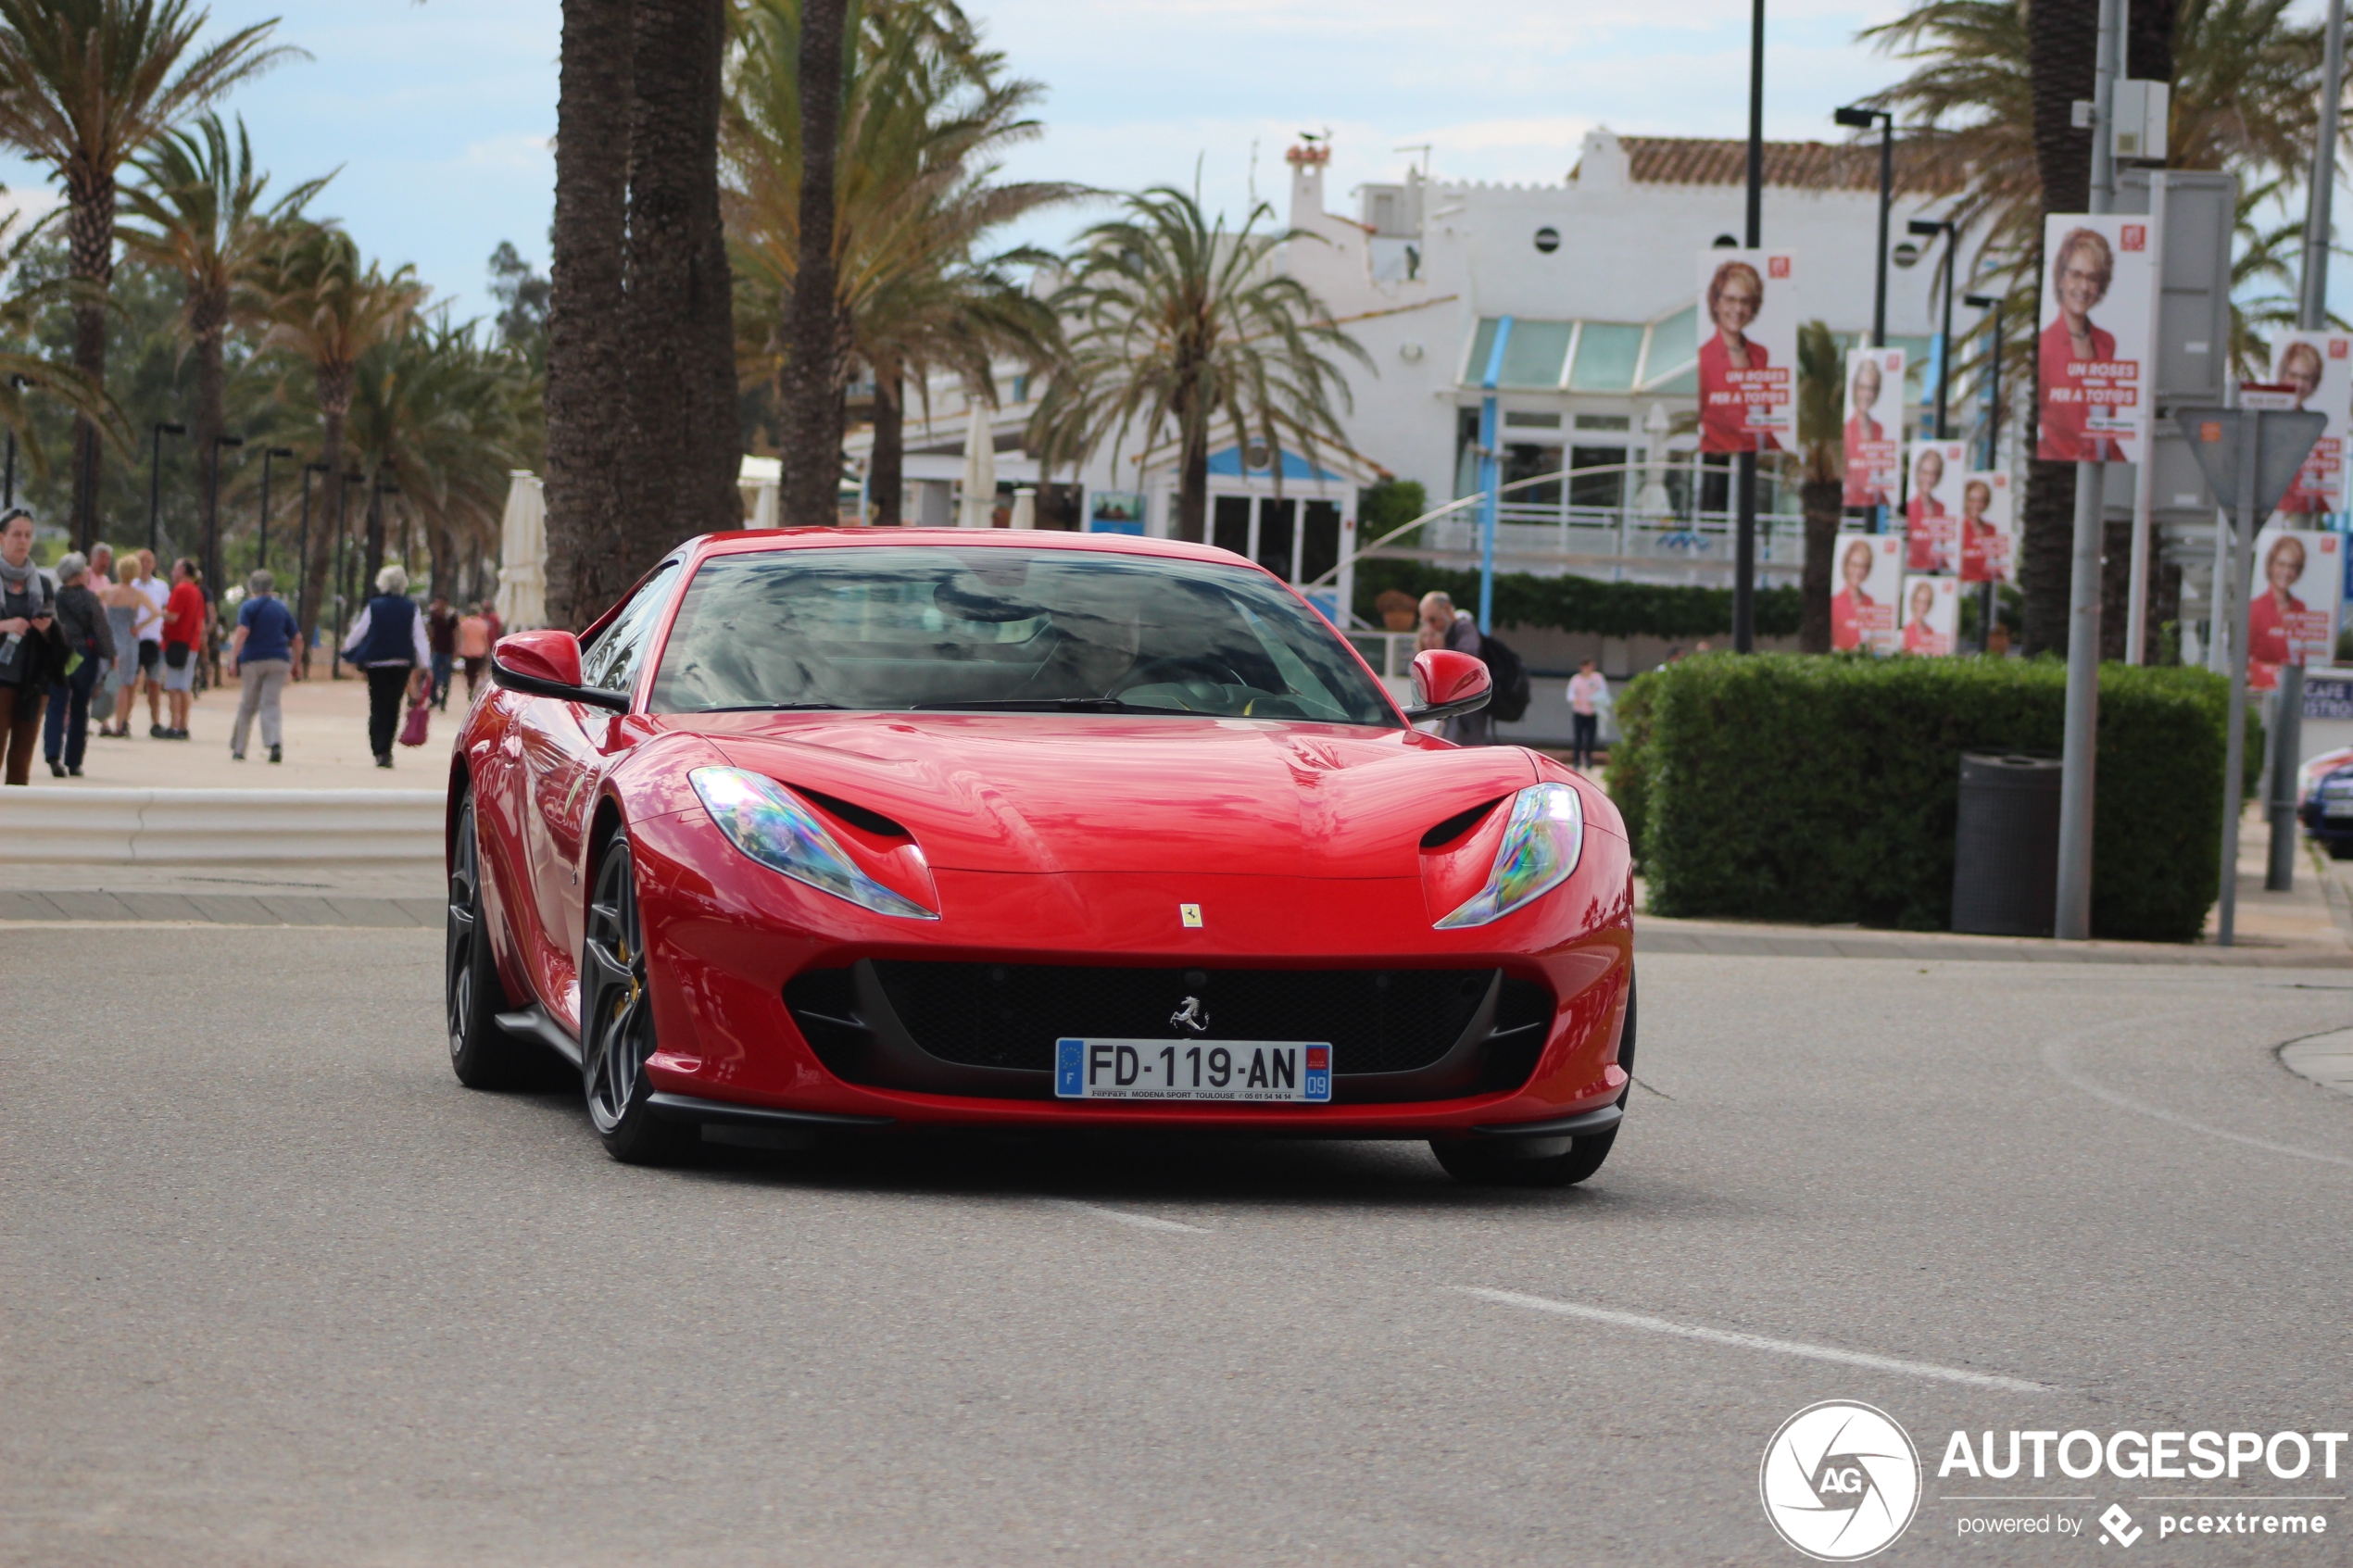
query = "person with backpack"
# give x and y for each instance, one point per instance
(1443, 626)
(90, 649)
(388, 642)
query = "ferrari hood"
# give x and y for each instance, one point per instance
(1086, 793)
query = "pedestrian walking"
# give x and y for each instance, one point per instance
(441, 636)
(1443, 626)
(144, 594)
(1587, 689)
(28, 649)
(388, 642)
(474, 645)
(184, 638)
(261, 655)
(110, 702)
(89, 650)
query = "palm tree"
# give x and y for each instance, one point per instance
(588, 425)
(84, 84)
(199, 213)
(23, 366)
(1820, 461)
(1175, 325)
(926, 113)
(809, 429)
(324, 310)
(449, 416)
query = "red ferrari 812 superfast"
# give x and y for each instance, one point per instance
(887, 830)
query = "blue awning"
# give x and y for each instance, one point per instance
(1228, 464)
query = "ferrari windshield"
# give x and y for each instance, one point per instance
(1002, 628)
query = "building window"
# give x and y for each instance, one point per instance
(1522, 420)
(1605, 491)
(1465, 452)
(1606, 356)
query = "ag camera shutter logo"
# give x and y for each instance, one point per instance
(1839, 1481)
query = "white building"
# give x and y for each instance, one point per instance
(1599, 275)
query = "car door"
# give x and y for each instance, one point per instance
(566, 749)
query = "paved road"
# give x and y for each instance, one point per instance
(275, 1290)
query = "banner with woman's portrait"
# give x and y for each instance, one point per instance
(1931, 615)
(1874, 426)
(1989, 528)
(1868, 576)
(1747, 351)
(1932, 472)
(2299, 587)
(2092, 348)
(2318, 367)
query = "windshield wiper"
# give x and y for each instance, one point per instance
(1038, 705)
(771, 707)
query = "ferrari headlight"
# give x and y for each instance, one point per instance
(1541, 846)
(760, 817)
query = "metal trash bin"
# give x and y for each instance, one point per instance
(2006, 845)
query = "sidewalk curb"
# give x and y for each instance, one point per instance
(1729, 939)
(215, 827)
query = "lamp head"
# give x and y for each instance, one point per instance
(1981, 301)
(165, 429)
(1930, 225)
(228, 441)
(1857, 120)
(279, 452)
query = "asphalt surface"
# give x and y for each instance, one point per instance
(274, 1289)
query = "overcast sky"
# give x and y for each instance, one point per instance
(439, 114)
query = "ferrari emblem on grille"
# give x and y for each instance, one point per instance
(1190, 915)
(1191, 1017)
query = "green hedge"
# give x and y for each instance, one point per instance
(1581, 604)
(1789, 787)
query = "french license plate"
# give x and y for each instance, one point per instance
(2336, 808)
(1296, 1070)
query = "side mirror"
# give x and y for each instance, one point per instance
(1448, 682)
(548, 664)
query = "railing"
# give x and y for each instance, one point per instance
(1559, 534)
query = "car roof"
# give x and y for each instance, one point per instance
(745, 541)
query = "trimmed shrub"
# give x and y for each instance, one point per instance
(1581, 604)
(1825, 789)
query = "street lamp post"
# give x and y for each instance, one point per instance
(1745, 523)
(1925, 227)
(155, 479)
(9, 497)
(1858, 119)
(302, 550)
(262, 551)
(1993, 452)
(212, 511)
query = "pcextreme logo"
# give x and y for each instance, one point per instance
(1839, 1481)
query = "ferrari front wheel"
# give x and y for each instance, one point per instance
(483, 1055)
(617, 1021)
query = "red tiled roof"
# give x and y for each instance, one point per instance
(1809, 166)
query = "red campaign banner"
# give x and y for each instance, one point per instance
(1748, 350)
(1873, 422)
(2093, 338)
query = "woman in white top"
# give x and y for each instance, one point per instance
(1587, 690)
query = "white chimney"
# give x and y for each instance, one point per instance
(1601, 163)
(1307, 163)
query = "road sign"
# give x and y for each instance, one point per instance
(2283, 438)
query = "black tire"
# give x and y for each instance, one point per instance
(483, 1055)
(617, 1023)
(1540, 1162)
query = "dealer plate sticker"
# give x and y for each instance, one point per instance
(1299, 1071)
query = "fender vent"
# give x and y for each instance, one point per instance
(1458, 824)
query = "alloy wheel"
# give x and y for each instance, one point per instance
(619, 1015)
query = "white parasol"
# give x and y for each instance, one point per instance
(522, 555)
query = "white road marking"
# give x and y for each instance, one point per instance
(1141, 1221)
(1758, 1342)
(2055, 1058)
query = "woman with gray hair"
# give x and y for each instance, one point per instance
(388, 643)
(261, 657)
(90, 648)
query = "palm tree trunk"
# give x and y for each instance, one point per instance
(587, 423)
(322, 552)
(1193, 477)
(445, 561)
(1823, 501)
(371, 559)
(90, 233)
(885, 479)
(2062, 42)
(211, 400)
(809, 441)
(679, 331)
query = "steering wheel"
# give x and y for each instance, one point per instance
(1197, 670)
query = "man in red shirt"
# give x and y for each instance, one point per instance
(184, 614)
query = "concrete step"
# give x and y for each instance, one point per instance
(221, 826)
